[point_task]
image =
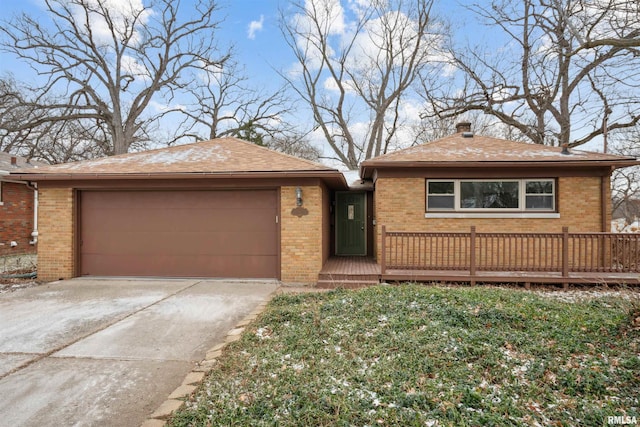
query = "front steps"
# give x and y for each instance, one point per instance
(346, 281)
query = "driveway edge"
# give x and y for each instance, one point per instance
(193, 379)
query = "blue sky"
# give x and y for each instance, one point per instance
(259, 53)
(252, 27)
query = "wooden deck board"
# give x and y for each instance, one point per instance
(351, 265)
(352, 271)
(507, 276)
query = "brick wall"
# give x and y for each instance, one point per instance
(16, 219)
(304, 239)
(400, 206)
(56, 240)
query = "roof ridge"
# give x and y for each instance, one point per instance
(281, 153)
(223, 154)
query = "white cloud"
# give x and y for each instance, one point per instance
(254, 27)
(164, 107)
(329, 14)
(326, 14)
(330, 84)
(122, 14)
(134, 68)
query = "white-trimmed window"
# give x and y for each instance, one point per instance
(491, 195)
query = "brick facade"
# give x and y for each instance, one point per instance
(56, 240)
(16, 219)
(304, 239)
(400, 206)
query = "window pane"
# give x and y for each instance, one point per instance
(440, 187)
(540, 202)
(539, 187)
(440, 202)
(489, 195)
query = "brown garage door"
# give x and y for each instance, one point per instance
(179, 233)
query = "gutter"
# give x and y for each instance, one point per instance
(163, 175)
(366, 169)
(330, 175)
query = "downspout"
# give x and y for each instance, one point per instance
(603, 204)
(606, 228)
(34, 233)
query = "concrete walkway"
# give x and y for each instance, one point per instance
(107, 352)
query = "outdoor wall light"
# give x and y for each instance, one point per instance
(298, 196)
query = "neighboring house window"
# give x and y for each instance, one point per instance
(466, 195)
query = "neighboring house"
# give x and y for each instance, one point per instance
(18, 231)
(228, 208)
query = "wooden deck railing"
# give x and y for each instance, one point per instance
(531, 252)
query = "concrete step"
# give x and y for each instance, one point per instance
(346, 284)
(347, 277)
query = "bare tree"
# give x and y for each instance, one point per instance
(49, 141)
(294, 144)
(565, 71)
(625, 182)
(224, 104)
(431, 127)
(11, 114)
(357, 70)
(105, 62)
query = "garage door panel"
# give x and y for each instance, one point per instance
(179, 234)
(205, 199)
(181, 243)
(176, 266)
(199, 219)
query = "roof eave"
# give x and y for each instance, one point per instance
(333, 176)
(367, 167)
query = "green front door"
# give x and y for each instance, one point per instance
(351, 224)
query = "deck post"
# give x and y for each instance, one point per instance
(472, 255)
(383, 250)
(565, 257)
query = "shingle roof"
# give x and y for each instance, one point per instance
(478, 150)
(222, 155)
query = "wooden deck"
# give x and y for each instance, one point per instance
(349, 272)
(354, 272)
(525, 277)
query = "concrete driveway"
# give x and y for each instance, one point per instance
(108, 352)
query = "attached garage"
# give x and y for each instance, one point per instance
(179, 233)
(223, 208)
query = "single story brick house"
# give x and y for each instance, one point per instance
(229, 208)
(465, 180)
(18, 201)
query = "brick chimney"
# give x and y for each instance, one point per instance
(14, 161)
(463, 127)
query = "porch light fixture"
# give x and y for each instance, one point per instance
(298, 196)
